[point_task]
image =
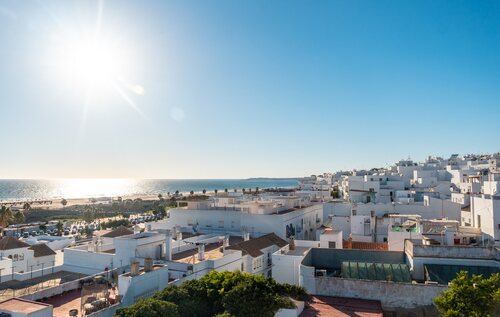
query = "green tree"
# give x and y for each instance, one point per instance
(42, 227)
(470, 297)
(228, 294)
(88, 214)
(64, 202)
(26, 206)
(160, 196)
(6, 216)
(59, 226)
(19, 217)
(160, 211)
(254, 296)
(149, 307)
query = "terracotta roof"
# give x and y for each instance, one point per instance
(118, 232)
(7, 243)
(359, 245)
(342, 307)
(254, 246)
(41, 250)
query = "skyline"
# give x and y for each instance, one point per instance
(197, 90)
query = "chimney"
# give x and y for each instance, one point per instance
(148, 264)
(201, 252)
(168, 246)
(291, 243)
(134, 268)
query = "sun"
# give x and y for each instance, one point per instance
(91, 62)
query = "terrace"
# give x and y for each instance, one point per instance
(16, 288)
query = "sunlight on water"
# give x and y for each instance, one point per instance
(102, 187)
(88, 187)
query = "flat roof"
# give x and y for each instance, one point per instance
(299, 251)
(23, 306)
(342, 307)
(22, 288)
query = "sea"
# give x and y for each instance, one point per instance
(27, 190)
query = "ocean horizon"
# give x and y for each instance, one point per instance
(36, 189)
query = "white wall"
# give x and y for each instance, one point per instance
(85, 262)
(286, 267)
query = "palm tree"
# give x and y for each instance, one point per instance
(64, 202)
(235, 190)
(204, 191)
(225, 190)
(6, 216)
(59, 226)
(191, 193)
(26, 206)
(19, 217)
(243, 190)
(176, 193)
(160, 196)
(256, 189)
(215, 191)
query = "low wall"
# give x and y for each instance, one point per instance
(53, 291)
(390, 294)
(457, 251)
(29, 275)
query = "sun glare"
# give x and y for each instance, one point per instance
(91, 62)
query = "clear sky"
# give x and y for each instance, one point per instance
(234, 89)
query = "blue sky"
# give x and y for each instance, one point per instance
(235, 89)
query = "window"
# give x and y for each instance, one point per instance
(332, 244)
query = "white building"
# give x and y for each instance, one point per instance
(285, 216)
(18, 256)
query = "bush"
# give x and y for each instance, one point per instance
(149, 307)
(227, 294)
(470, 296)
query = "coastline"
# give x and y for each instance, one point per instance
(57, 205)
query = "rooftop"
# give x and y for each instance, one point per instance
(15, 288)
(22, 306)
(41, 250)
(212, 252)
(298, 251)
(118, 232)
(8, 243)
(254, 246)
(342, 307)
